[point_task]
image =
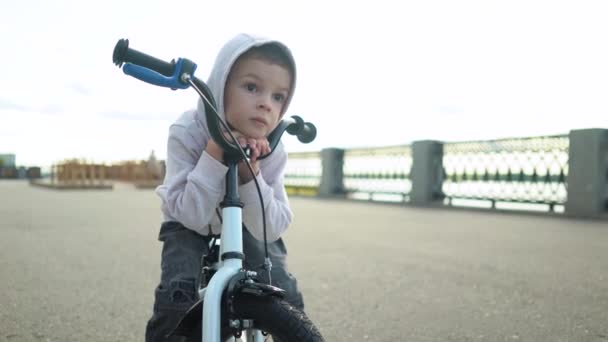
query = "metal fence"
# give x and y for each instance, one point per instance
(517, 173)
(303, 173)
(378, 173)
(524, 171)
(368, 173)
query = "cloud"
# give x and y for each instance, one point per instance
(120, 115)
(80, 89)
(51, 109)
(451, 109)
(9, 105)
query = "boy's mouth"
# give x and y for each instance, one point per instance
(259, 121)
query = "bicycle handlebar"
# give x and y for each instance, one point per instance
(151, 69)
(123, 54)
(180, 75)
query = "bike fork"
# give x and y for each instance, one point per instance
(250, 335)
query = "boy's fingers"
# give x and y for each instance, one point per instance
(255, 153)
(266, 147)
(263, 147)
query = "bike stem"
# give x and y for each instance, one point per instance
(231, 247)
(231, 254)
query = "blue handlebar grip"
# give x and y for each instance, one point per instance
(153, 77)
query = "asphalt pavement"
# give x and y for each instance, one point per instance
(79, 265)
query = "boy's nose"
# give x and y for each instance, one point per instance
(264, 102)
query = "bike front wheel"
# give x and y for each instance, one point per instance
(275, 317)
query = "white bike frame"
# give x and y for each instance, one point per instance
(231, 242)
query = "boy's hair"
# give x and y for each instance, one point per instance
(271, 53)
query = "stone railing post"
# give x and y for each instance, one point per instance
(332, 176)
(587, 173)
(427, 172)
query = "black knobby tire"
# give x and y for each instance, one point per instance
(276, 317)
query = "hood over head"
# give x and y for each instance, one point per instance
(224, 62)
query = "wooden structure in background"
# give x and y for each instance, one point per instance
(77, 174)
(80, 174)
(143, 174)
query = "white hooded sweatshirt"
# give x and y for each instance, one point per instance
(194, 183)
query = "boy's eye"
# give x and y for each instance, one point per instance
(251, 87)
(279, 97)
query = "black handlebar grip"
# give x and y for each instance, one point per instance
(308, 133)
(296, 127)
(305, 131)
(123, 54)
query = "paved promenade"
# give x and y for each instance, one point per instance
(82, 266)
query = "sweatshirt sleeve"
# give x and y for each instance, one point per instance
(276, 205)
(193, 182)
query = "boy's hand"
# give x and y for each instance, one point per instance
(258, 147)
(214, 150)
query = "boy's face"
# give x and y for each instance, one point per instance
(254, 97)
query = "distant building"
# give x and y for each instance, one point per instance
(33, 172)
(154, 167)
(7, 160)
(8, 169)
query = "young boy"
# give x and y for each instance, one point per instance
(252, 81)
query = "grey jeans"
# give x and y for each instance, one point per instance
(180, 268)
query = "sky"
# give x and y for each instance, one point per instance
(370, 73)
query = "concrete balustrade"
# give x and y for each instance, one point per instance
(587, 173)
